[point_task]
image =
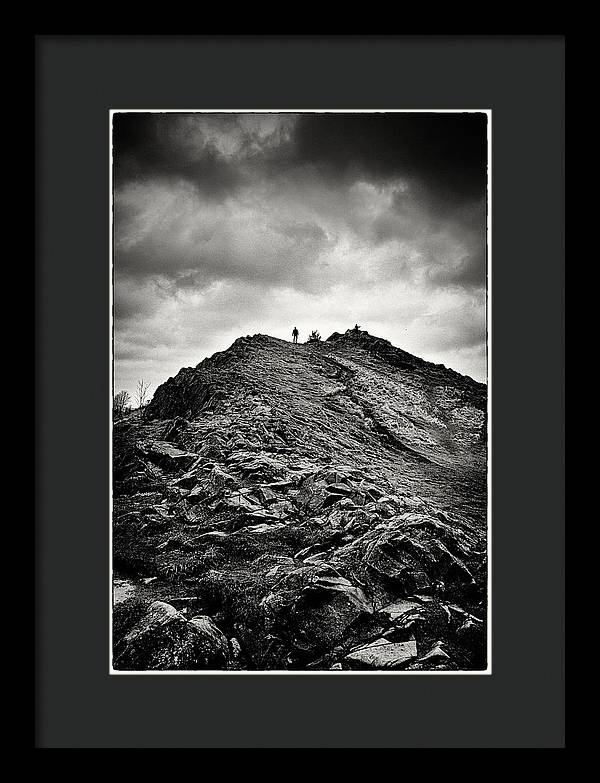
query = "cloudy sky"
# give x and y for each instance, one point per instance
(233, 224)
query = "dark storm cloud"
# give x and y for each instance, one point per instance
(435, 163)
(149, 147)
(445, 153)
(452, 242)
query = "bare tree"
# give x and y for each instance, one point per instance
(121, 403)
(141, 392)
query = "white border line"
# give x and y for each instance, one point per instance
(202, 672)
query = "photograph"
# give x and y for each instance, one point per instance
(300, 390)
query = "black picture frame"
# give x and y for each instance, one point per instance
(79, 79)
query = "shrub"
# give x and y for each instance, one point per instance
(121, 403)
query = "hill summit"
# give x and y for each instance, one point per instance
(303, 506)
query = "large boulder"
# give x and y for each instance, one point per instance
(165, 639)
(165, 455)
(383, 654)
(324, 611)
(428, 620)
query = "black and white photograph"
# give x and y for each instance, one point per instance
(300, 388)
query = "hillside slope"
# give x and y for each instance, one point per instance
(303, 506)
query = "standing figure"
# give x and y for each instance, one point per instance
(295, 334)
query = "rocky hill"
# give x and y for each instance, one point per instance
(318, 506)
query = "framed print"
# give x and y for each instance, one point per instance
(299, 462)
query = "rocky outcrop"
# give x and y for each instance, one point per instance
(325, 504)
(164, 639)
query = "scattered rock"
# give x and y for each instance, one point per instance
(437, 654)
(382, 654)
(166, 456)
(399, 608)
(339, 489)
(262, 528)
(324, 610)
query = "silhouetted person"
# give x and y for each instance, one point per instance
(356, 328)
(295, 334)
